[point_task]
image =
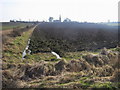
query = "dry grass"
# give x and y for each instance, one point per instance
(116, 76)
(83, 73)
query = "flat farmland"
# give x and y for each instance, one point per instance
(13, 29)
(89, 57)
(12, 25)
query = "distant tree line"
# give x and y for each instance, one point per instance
(15, 21)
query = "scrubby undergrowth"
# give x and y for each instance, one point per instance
(89, 70)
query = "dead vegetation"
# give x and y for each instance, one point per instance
(78, 73)
(116, 76)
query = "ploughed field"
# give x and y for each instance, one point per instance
(71, 37)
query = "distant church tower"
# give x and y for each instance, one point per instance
(60, 18)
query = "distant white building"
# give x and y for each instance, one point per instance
(67, 20)
(50, 19)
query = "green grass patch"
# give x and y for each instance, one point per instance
(108, 85)
(77, 55)
(42, 56)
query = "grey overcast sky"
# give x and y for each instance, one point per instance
(76, 10)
